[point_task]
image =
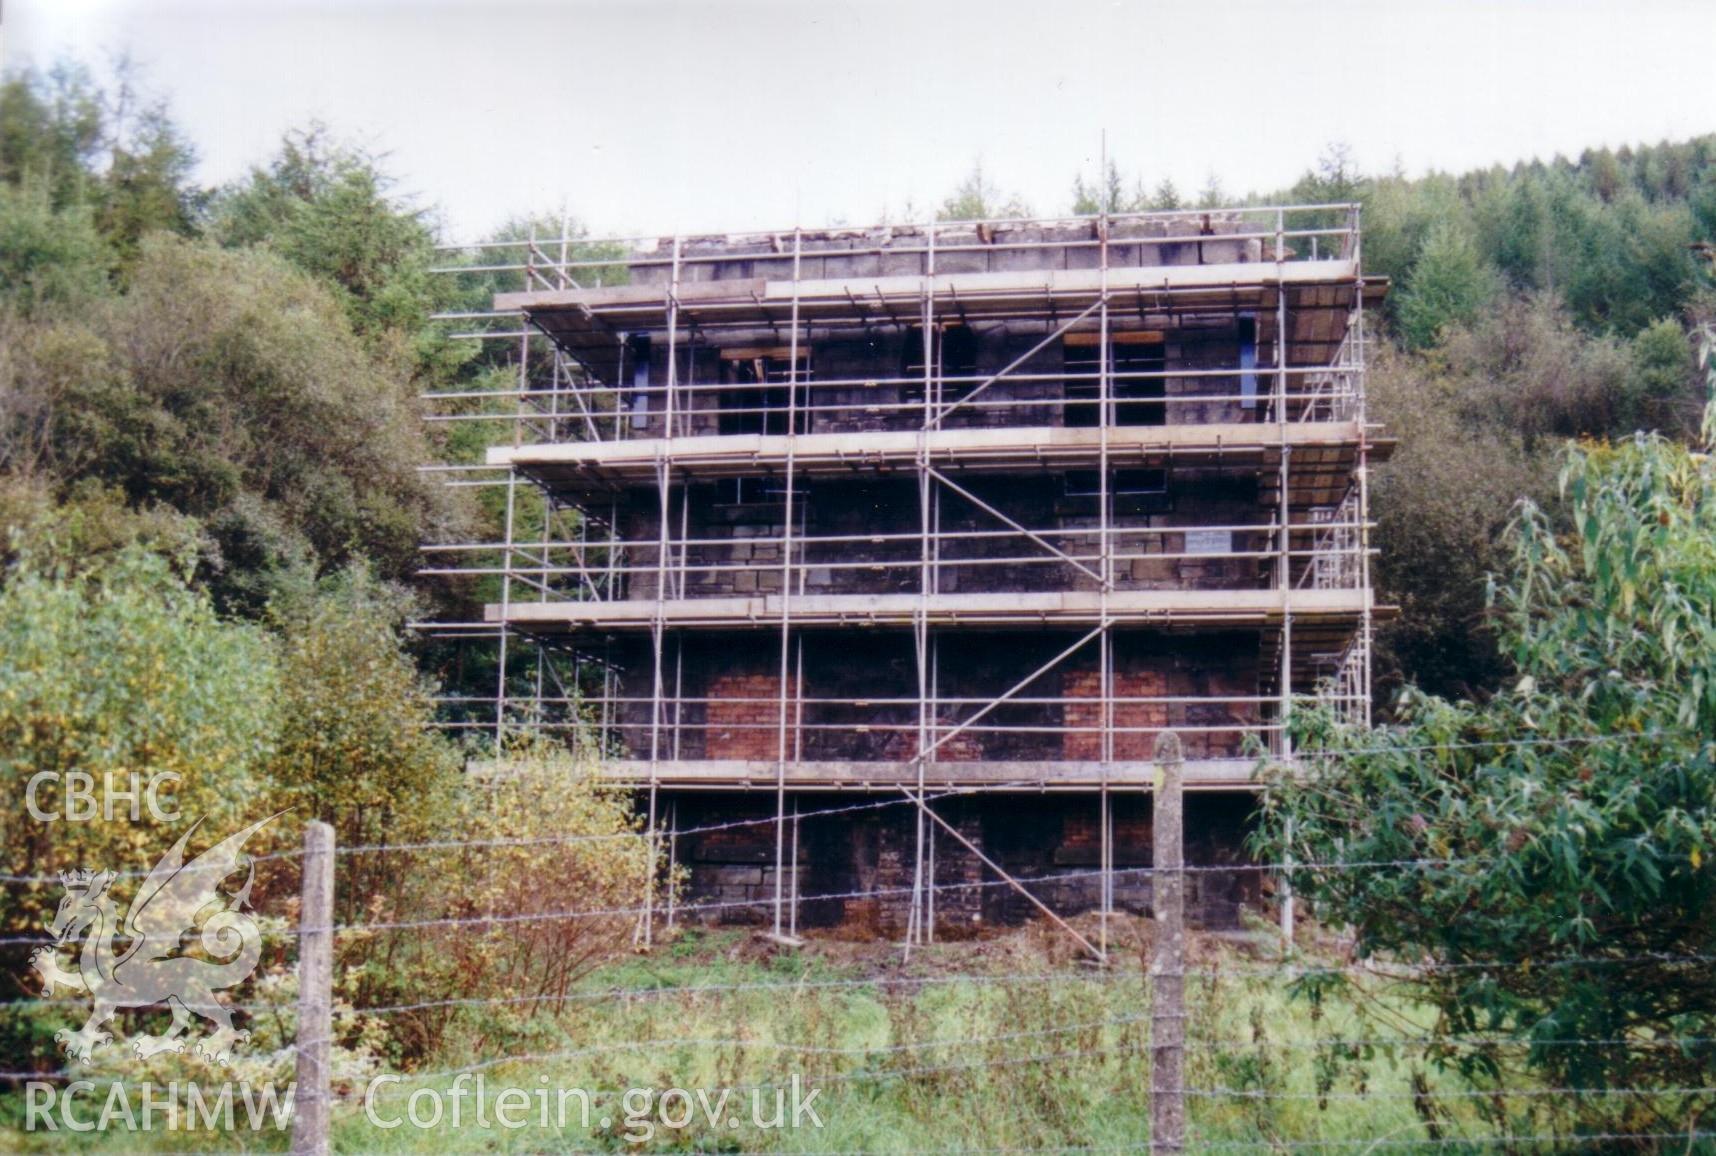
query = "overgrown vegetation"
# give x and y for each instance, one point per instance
(1552, 840)
(209, 452)
(1000, 1045)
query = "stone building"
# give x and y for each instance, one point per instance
(881, 557)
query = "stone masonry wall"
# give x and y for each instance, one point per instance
(855, 870)
(878, 552)
(982, 249)
(873, 382)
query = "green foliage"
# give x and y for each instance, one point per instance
(51, 131)
(270, 395)
(1527, 366)
(327, 208)
(120, 668)
(147, 183)
(231, 386)
(1560, 831)
(1335, 181)
(569, 845)
(1440, 503)
(1662, 360)
(117, 155)
(357, 747)
(86, 526)
(1165, 196)
(48, 257)
(1478, 418)
(1397, 218)
(1106, 195)
(1620, 262)
(1110, 193)
(1449, 285)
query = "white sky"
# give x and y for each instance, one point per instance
(657, 116)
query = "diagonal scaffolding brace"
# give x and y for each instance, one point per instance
(925, 809)
(1011, 523)
(1048, 340)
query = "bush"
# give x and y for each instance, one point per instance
(570, 846)
(123, 669)
(1556, 843)
(357, 746)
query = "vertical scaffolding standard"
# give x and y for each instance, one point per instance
(1324, 546)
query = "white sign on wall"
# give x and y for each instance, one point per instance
(1209, 541)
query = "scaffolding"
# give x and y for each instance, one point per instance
(683, 367)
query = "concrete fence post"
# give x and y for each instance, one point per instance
(1168, 968)
(310, 1110)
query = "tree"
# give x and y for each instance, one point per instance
(1449, 285)
(51, 131)
(238, 375)
(562, 841)
(147, 187)
(118, 666)
(49, 257)
(1212, 195)
(119, 154)
(1555, 842)
(1335, 179)
(1166, 196)
(978, 198)
(329, 209)
(357, 745)
(1662, 367)
(1397, 219)
(1440, 503)
(1106, 195)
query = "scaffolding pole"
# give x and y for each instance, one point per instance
(1105, 656)
(664, 515)
(786, 606)
(1286, 568)
(916, 912)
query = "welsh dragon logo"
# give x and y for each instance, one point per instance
(176, 898)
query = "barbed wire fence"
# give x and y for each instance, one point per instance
(1129, 1044)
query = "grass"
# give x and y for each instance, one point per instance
(1002, 1043)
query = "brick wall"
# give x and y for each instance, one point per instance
(743, 716)
(860, 689)
(1086, 744)
(1220, 667)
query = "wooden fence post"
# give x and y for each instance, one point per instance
(1168, 969)
(310, 1111)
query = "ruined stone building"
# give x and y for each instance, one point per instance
(889, 553)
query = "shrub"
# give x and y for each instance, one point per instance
(565, 891)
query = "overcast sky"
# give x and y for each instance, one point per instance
(655, 116)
